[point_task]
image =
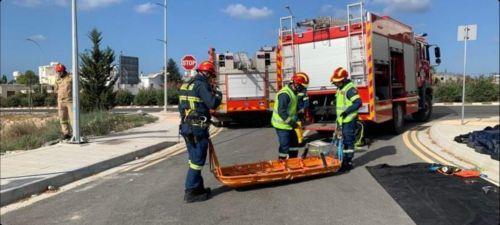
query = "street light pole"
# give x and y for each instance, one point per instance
(76, 104)
(165, 56)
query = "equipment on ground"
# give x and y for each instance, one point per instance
(324, 161)
(389, 64)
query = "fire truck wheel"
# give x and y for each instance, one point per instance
(424, 114)
(398, 120)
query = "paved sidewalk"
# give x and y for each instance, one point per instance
(439, 138)
(25, 173)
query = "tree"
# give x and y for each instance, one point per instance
(28, 78)
(4, 79)
(173, 70)
(95, 76)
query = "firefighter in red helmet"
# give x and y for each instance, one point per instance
(196, 99)
(284, 118)
(347, 105)
(63, 88)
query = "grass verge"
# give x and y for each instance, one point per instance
(26, 135)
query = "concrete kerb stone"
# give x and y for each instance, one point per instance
(14, 194)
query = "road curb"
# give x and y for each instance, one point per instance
(466, 104)
(12, 195)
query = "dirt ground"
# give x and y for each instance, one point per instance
(7, 120)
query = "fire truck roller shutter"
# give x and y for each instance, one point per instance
(320, 59)
(410, 70)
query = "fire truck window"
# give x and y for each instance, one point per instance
(382, 82)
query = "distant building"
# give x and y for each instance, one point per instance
(496, 78)
(47, 74)
(7, 90)
(154, 80)
(445, 77)
(16, 74)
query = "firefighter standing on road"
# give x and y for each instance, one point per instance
(63, 89)
(348, 103)
(196, 99)
(284, 117)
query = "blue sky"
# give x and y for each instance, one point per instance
(132, 27)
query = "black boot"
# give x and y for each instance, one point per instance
(347, 165)
(197, 194)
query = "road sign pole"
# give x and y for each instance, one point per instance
(463, 79)
(76, 106)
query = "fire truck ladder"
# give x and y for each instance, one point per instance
(356, 52)
(287, 39)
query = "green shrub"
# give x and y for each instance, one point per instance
(38, 99)
(3, 102)
(26, 135)
(145, 97)
(123, 97)
(14, 101)
(479, 89)
(50, 100)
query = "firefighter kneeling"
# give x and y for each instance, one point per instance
(196, 98)
(348, 103)
(284, 117)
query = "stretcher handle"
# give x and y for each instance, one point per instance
(214, 161)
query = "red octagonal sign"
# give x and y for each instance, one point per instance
(188, 62)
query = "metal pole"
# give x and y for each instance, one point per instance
(463, 79)
(0, 40)
(165, 53)
(76, 106)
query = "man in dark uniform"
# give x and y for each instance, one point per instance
(196, 99)
(347, 105)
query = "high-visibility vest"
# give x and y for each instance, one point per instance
(342, 103)
(276, 119)
(187, 97)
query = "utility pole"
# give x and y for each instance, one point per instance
(76, 104)
(165, 56)
(1, 38)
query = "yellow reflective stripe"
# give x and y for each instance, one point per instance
(283, 155)
(354, 98)
(190, 98)
(348, 151)
(194, 166)
(185, 87)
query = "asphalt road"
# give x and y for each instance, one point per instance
(154, 195)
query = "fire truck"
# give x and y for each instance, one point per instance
(248, 85)
(386, 60)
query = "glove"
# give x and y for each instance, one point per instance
(342, 115)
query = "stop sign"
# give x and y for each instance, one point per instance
(188, 62)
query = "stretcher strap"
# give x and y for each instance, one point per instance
(214, 161)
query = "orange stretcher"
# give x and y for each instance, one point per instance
(272, 170)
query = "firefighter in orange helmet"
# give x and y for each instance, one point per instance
(63, 88)
(347, 105)
(196, 99)
(284, 118)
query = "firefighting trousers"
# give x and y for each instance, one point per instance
(65, 112)
(197, 155)
(288, 143)
(349, 135)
